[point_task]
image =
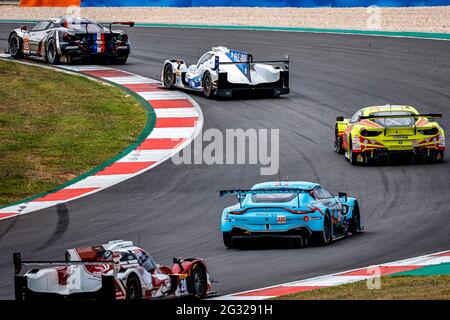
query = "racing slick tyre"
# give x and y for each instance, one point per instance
(354, 225)
(227, 241)
(121, 60)
(338, 143)
(199, 281)
(296, 243)
(323, 237)
(15, 46)
(51, 52)
(134, 291)
(352, 157)
(168, 76)
(207, 85)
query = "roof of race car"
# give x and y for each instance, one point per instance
(388, 107)
(120, 245)
(223, 49)
(225, 54)
(70, 18)
(283, 184)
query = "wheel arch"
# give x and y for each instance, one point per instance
(17, 31)
(189, 263)
(173, 63)
(213, 73)
(202, 266)
(11, 34)
(132, 273)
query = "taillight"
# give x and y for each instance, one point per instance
(122, 37)
(429, 132)
(367, 133)
(298, 211)
(238, 212)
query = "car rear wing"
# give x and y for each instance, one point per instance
(262, 190)
(250, 61)
(123, 23)
(18, 262)
(421, 115)
(257, 61)
(241, 193)
(393, 116)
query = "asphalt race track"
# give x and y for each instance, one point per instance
(175, 210)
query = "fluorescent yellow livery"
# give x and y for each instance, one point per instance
(380, 133)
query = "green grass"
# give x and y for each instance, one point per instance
(392, 288)
(55, 126)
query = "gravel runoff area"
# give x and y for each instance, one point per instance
(424, 19)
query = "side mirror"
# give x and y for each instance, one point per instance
(178, 262)
(343, 195)
(340, 118)
(240, 196)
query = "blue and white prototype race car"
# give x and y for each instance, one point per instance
(295, 210)
(226, 73)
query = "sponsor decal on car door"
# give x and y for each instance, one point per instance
(34, 41)
(26, 44)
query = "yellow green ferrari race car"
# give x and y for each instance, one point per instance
(381, 133)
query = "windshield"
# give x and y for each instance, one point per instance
(146, 261)
(272, 197)
(127, 257)
(41, 26)
(91, 27)
(394, 122)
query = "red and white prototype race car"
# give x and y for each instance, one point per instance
(116, 270)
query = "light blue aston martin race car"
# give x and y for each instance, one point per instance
(296, 210)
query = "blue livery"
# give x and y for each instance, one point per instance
(240, 56)
(296, 210)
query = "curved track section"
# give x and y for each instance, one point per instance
(174, 120)
(174, 210)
